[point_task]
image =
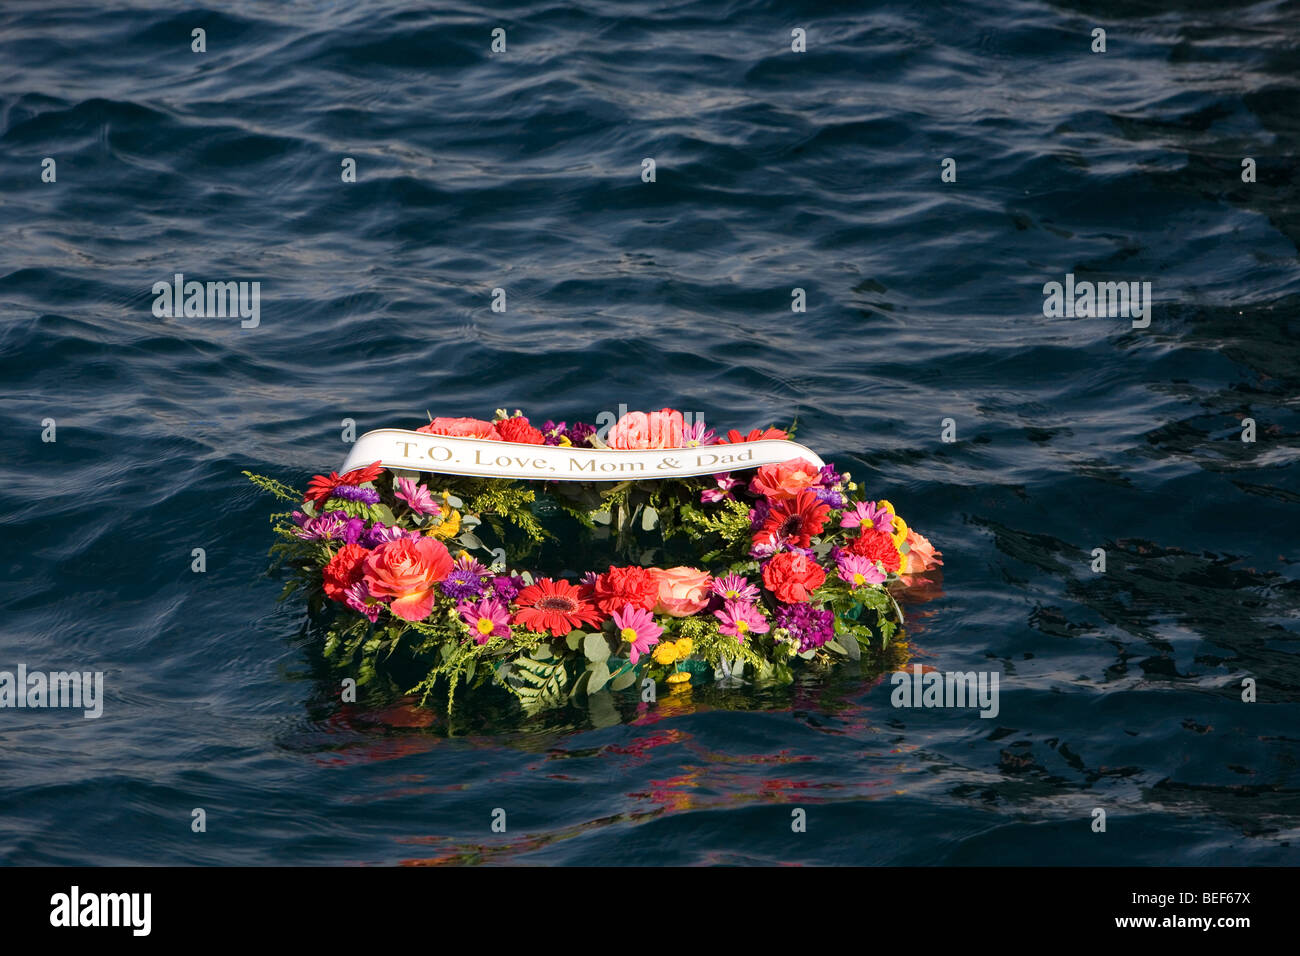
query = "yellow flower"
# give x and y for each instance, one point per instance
(900, 530)
(882, 503)
(679, 677)
(665, 653)
(684, 648)
(449, 527)
(564, 441)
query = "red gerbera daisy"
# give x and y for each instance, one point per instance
(555, 606)
(320, 487)
(758, 434)
(796, 519)
(877, 546)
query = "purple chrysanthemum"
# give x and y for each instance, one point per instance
(811, 627)
(473, 566)
(830, 477)
(367, 496)
(463, 584)
(358, 598)
(830, 496)
(381, 533)
(322, 527)
(354, 529)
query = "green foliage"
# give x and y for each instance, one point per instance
(537, 683)
(353, 509)
(502, 500)
(711, 645)
(727, 528)
(277, 488)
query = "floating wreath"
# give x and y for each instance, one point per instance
(730, 575)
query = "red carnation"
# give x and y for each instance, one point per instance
(758, 434)
(793, 576)
(518, 430)
(344, 570)
(320, 487)
(876, 546)
(618, 587)
(795, 520)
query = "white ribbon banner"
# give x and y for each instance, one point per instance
(416, 451)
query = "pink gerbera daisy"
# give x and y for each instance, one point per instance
(722, 492)
(637, 626)
(859, 571)
(417, 496)
(870, 515)
(487, 619)
(734, 587)
(740, 619)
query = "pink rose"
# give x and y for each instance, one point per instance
(461, 428)
(786, 480)
(682, 591)
(661, 429)
(921, 557)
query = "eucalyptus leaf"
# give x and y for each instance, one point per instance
(596, 648)
(601, 709)
(599, 677)
(649, 518)
(574, 638)
(404, 473)
(470, 540)
(625, 679)
(383, 513)
(602, 517)
(580, 685)
(454, 502)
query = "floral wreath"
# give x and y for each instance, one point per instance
(791, 566)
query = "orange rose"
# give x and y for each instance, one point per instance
(406, 570)
(661, 429)
(785, 480)
(682, 591)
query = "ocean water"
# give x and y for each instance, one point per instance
(774, 170)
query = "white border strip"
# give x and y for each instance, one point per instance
(481, 457)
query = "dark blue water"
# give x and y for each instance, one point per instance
(1120, 690)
